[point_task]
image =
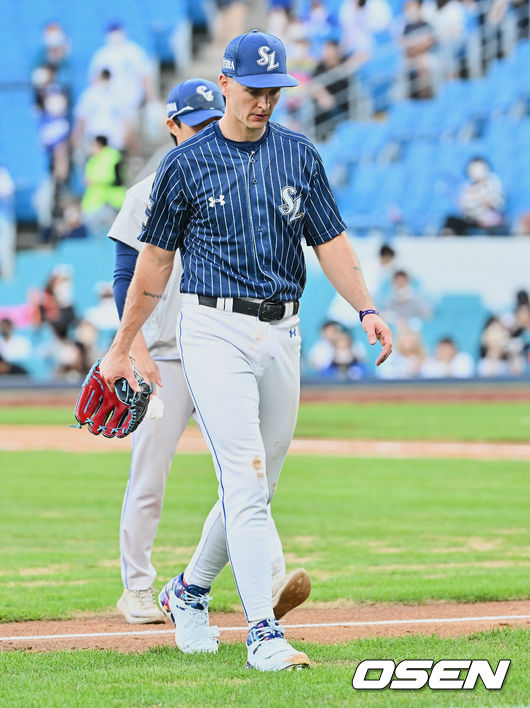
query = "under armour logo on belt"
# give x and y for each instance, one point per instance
(292, 333)
(212, 201)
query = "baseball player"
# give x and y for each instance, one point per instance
(237, 199)
(191, 106)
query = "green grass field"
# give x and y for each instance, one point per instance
(366, 530)
(161, 678)
(507, 421)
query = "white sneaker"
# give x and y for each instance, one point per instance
(289, 591)
(139, 607)
(187, 607)
(268, 650)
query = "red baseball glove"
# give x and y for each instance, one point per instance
(113, 414)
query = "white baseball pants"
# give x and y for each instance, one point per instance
(153, 448)
(244, 378)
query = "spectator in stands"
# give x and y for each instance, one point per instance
(105, 190)
(318, 26)
(72, 225)
(448, 20)
(418, 42)
(99, 111)
(346, 360)
(448, 362)
(129, 66)
(9, 369)
(14, 348)
(52, 101)
(67, 357)
(54, 305)
(481, 204)
(331, 91)
(494, 349)
(407, 358)
(55, 49)
(406, 306)
(321, 353)
(360, 21)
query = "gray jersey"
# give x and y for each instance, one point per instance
(160, 329)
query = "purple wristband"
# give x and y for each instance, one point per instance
(363, 313)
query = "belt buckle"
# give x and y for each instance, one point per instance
(267, 311)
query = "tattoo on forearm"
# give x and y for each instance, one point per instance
(152, 294)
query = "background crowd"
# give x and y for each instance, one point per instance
(419, 108)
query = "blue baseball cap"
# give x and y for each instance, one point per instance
(194, 101)
(257, 60)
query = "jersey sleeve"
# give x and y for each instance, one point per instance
(168, 211)
(322, 220)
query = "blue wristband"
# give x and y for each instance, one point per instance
(363, 313)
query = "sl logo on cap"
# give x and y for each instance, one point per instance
(205, 92)
(267, 59)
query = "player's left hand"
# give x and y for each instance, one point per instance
(378, 331)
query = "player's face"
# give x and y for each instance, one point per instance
(250, 106)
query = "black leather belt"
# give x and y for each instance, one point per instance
(266, 310)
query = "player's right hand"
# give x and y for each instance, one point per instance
(115, 365)
(378, 331)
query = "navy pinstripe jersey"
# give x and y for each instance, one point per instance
(238, 212)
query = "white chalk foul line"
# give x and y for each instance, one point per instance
(374, 623)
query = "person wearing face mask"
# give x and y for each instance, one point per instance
(129, 65)
(481, 204)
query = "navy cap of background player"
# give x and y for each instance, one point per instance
(257, 60)
(195, 101)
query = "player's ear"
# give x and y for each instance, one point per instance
(172, 126)
(224, 83)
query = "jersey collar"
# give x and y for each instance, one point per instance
(249, 146)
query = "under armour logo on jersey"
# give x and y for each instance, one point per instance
(205, 92)
(267, 59)
(291, 204)
(212, 201)
(292, 333)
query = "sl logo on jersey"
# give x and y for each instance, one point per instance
(268, 60)
(205, 92)
(291, 204)
(212, 201)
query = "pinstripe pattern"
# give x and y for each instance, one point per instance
(219, 202)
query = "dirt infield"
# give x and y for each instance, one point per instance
(320, 624)
(58, 437)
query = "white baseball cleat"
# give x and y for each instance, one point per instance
(268, 650)
(187, 607)
(139, 607)
(289, 591)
